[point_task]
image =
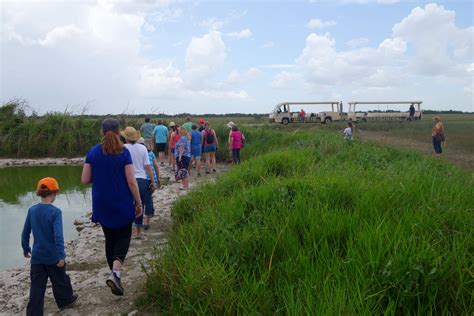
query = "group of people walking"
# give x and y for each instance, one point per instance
(124, 173)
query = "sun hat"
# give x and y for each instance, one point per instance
(110, 124)
(131, 134)
(48, 184)
(172, 124)
(230, 124)
(201, 122)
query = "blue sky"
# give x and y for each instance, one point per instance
(153, 56)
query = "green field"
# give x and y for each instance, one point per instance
(314, 225)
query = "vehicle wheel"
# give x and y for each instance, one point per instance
(408, 119)
(285, 121)
(327, 120)
(364, 120)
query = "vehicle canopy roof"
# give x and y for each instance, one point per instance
(305, 102)
(385, 102)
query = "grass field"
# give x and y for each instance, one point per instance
(314, 225)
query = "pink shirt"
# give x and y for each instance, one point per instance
(236, 137)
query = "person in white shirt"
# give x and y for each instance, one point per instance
(142, 167)
(347, 132)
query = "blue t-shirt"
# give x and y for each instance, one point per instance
(152, 157)
(112, 200)
(45, 221)
(161, 134)
(196, 143)
(183, 141)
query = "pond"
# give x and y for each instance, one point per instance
(18, 193)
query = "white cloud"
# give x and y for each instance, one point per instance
(247, 33)
(319, 24)
(60, 33)
(204, 56)
(321, 64)
(358, 42)
(432, 32)
(284, 80)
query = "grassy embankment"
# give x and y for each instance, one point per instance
(312, 225)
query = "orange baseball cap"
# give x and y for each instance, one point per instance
(48, 184)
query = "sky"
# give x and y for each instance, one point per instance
(166, 56)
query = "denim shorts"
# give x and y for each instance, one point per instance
(210, 148)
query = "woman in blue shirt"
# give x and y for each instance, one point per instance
(182, 153)
(115, 196)
(196, 147)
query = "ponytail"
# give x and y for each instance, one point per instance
(111, 144)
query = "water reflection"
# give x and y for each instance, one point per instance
(17, 194)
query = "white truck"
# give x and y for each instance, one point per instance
(282, 113)
(414, 112)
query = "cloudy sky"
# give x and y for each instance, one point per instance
(151, 56)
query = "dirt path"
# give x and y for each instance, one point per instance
(87, 266)
(457, 157)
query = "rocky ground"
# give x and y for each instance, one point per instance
(11, 162)
(88, 268)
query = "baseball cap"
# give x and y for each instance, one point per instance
(110, 124)
(201, 122)
(48, 184)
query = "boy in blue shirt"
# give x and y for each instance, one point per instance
(48, 257)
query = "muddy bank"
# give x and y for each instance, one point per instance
(12, 162)
(88, 268)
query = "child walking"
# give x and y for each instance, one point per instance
(48, 256)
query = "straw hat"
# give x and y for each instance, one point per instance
(172, 124)
(130, 134)
(230, 124)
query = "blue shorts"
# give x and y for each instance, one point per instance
(210, 148)
(196, 152)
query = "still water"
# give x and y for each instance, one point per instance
(17, 194)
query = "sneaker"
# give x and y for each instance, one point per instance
(146, 227)
(213, 170)
(114, 283)
(74, 299)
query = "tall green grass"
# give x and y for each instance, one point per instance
(67, 135)
(314, 225)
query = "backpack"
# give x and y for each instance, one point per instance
(210, 137)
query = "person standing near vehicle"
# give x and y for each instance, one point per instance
(302, 115)
(437, 135)
(143, 172)
(210, 143)
(147, 132)
(160, 134)
(116, 200)
(412, 111)
(236, 142)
